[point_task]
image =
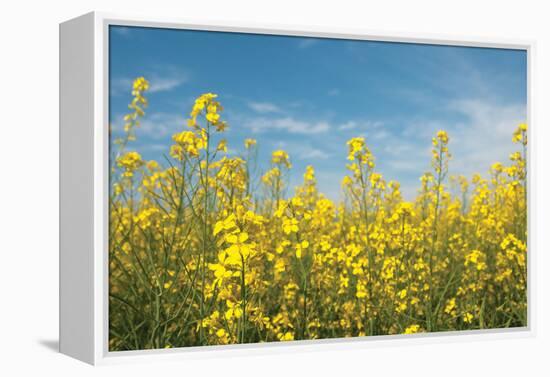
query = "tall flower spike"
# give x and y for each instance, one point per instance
(137, 105)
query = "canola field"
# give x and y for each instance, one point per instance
(202, 252)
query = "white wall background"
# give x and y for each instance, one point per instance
(29, 183)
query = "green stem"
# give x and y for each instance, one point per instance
(204, 236)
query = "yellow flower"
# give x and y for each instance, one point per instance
(451, 306)
(285, 336)
(234, 310)
(346, 181)
(222, 145)
(190, 142)
(476, 258)
(241, 258)
(356, 145)
(443, 136)
(238, 248)
(227, 224)
(468, 317)
(520, 134)
(412, 329)
(140, 84)
(221, 126)
(309, 175)
(361, 290)
(290, 225)
(130, 162)
(213, 118)
(210, 108)
(301, 247)
(281, 157)
(237, 238)
(375, 178)
(497, 167)
(280, 266)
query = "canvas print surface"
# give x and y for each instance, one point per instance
(275, 188)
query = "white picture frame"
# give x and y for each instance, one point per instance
(84, 186)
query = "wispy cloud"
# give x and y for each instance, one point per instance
(349, 125)
(400, 147)
(360, 125)
(486, 135)
(162, 84)
(477, 96)
(264, 107)
(157, 147)
(155, 126)
(168, 80)
(379, 135)
(161, 125)
(288, 124)
(479, 131)
(307, 42)
(480, 136)
(124, 31)
(312, 153)
(120, 86)
(307, 151)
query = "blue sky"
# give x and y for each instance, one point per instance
(309, 96)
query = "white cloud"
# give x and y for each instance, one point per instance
(264, 107)
(362, 125)
(158, 147)
(307, 42)
(157, 83)
(480, 133)
(156, 126)
(120, 86)
(480, 136)
(406, 164)
(399, 148)
(312, 153)
(288, 124)
(379, 135)
(162, 84)
(486, 136)
(122, 30)
(349, 125)
(161, 125)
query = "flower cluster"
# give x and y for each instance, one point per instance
(204, 250)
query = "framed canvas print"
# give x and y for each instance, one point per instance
(234, 189)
